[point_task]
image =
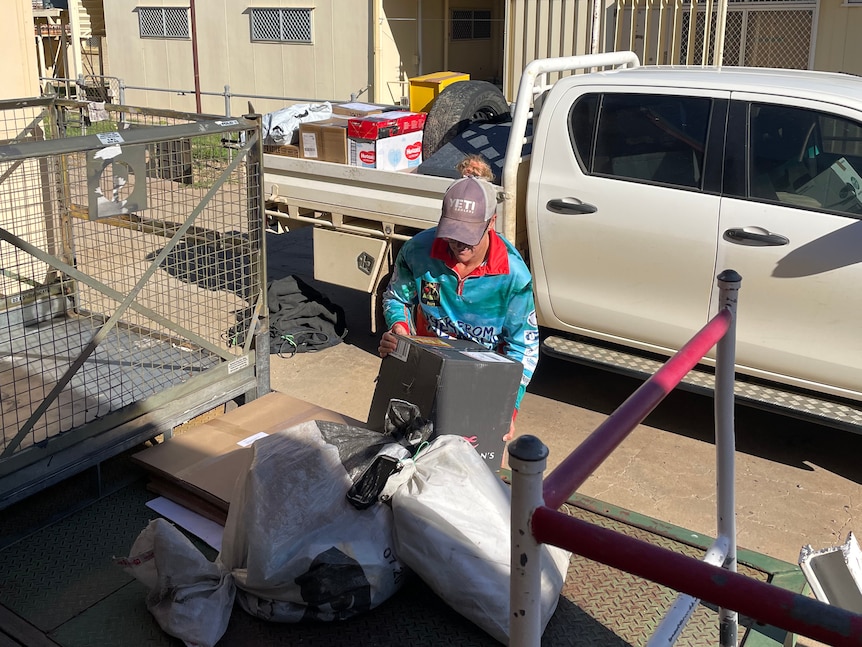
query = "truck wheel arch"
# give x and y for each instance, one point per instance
(456, 107)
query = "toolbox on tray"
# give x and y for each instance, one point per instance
(462, 387)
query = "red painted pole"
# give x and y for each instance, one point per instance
(576, 468)
(764, 602)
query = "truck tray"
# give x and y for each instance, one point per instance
(60, 586)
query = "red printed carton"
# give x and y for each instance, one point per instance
(388, 154)
(387, 124)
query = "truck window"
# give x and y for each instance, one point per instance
(652, 138)
(805, 158)
(582, 129)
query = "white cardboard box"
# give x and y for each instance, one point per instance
(838, 187)
(390, 154)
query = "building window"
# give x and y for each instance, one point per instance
(281, 25)
(163, 22)
(471, 25)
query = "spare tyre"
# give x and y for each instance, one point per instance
(458, 106)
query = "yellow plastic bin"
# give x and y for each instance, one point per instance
(424, 89)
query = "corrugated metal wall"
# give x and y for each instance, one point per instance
(545, 28)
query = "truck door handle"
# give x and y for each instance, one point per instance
(755, 236)
(570, 205)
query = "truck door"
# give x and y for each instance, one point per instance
(790, 225)
(626, 207)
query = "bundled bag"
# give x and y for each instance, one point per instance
(452, 528)
(296, 547)
(293, 549)
(281, 127)
(190, 597)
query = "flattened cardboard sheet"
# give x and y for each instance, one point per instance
(206, 460)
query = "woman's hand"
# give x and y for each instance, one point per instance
(389, 340)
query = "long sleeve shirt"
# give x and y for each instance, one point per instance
(492, 306)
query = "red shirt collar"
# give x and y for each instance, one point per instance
(497, 261)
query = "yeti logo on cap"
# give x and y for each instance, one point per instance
(460, 204)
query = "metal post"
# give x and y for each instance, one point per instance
(725, 442)
(256, 225)
(195, 63)
(528, 457)
(227, 96)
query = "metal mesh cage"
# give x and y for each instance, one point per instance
(130, 269)
(285, 25)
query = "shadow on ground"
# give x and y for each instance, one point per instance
(293, 254)
(776, 438)
(759, 433)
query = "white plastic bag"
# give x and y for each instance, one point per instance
(452, 527)
(293, 547)
(281, 127)
(297, 549)
(189, 596)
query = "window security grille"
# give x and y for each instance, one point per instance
(281, 25)
(471, 25)
(163, 22)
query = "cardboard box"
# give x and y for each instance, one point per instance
(389, 154)
(839, 187)
(324, 140)
(285, 150)
(462, 387)
(387, 124)
(357, 109)
(206, 460)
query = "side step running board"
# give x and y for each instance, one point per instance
(805, 407)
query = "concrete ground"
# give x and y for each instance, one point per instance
(797, 483)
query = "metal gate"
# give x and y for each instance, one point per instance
(132, 280)
(759, 33)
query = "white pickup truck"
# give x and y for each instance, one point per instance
(640, 185)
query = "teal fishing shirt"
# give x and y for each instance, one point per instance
(492, 306)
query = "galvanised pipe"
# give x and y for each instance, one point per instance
(725, 443)
(763, 602)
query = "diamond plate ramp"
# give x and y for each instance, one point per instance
(630, 605)
(61, 570)
(62, 580)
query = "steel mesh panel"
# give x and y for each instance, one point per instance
(287, 25)
(188, 304)
(772, 38)
(163, 22)
(467, 24)
(97, 87)
(762, 33)
(760, 36)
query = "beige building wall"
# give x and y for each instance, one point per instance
(20, 191)
(397, 48)
(415, 39)
(482, 59)
(334, 66)
(20, 67)
(838, 47)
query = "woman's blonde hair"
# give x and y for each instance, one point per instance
(474, 165)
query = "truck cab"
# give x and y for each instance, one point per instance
(646, 182)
